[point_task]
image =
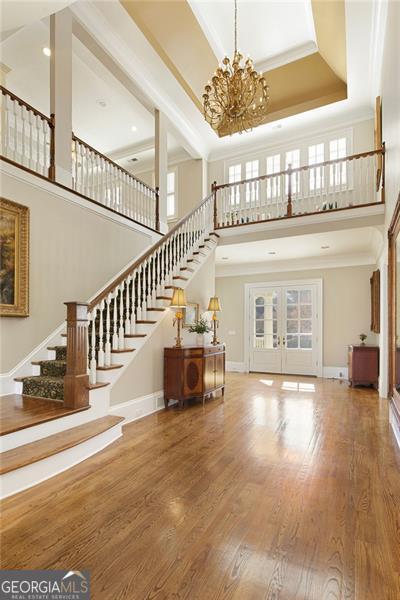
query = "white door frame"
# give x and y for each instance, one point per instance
(285, 283)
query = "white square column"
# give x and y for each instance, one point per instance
(161, 165)
(61, 93)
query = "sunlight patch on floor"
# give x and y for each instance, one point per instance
(295, 386)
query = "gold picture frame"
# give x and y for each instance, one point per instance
(14, 259)
(190, 314)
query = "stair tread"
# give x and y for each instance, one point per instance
(123, 350)
(40, 378)
(135, 335)
(50, 361)
(109, 367)
(96, 386)
(56, 347)
(53, 444)
(156, 309)
(141, 321)
(18, 411)
(180, 277)
(164, 297)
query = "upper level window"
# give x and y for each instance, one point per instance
(338, 171)
(273, 183)
(252, 188)
(235, 175)
(171, 195)
(315, 156)
(293, 158)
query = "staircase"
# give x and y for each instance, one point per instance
(102, 338)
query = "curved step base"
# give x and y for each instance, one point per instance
(20, 479)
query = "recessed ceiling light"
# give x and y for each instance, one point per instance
(133, 128)
(272, 252)
(325, 247)
(46, 51)
(277, 126)
(102, 103)
(225, 257)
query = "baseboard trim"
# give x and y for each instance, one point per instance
(335, 373)
(139, 407)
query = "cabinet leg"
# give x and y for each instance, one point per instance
(165, 402)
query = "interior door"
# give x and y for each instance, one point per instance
(265, 330)
(299, 330)
(283, 324)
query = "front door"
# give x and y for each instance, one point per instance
(283, 327)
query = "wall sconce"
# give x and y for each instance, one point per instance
(178, 301)
(214, 306)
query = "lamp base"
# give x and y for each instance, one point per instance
(215, 341)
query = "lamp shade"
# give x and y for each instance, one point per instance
(214, 304)
(178, 298)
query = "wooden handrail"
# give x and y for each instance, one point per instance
(21, 102)
(111, 162)
(304, 168)
(104, 293)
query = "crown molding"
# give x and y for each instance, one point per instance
(281, 266)
(279, 60)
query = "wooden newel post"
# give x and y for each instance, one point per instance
(52, 168)
(76, 380)
(214, 193)
(289, 200)
(157, 209)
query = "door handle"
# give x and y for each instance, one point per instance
(284, 340)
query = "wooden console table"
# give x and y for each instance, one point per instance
(363, 365)
(193, 372)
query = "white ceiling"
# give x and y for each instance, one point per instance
(271, 32)
(15, 14)
(103, 110)
(109, 128)
(360, 241)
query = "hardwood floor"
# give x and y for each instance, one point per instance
(289, 490)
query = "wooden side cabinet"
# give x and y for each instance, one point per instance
(364, 365)
(193, 372)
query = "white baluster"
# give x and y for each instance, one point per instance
(121, 330)
(139, 295)
(144, 286)
(100, 354)
(127, 313)
(93, 366)
(133, 319)
(107, 354)
(115, 321)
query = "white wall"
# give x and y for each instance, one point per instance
(390, 94)
(346, 309)
(74, 251)
(145, 374)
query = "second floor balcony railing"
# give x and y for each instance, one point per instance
(27, 139)
(347, 182)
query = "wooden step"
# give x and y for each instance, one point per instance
(156, 309)
(123, 349)
(193, 260)
(214, 234)
(146, 322)
(180, 277)
(164, 297)
(99, 384)
(170, 287)
(53, 444)
(135, 335)
(187, 269)
(109, 367)
(198, 252)
(19, 412)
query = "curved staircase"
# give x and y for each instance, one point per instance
(61, 415)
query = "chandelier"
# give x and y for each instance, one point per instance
(236, 98)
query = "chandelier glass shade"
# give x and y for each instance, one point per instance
(236, 99)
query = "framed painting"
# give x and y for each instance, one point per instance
(14, 259)
(190, 314)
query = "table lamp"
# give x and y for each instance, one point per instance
(214, 306)
(178, 301)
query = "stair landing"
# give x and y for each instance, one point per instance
(19, 412)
